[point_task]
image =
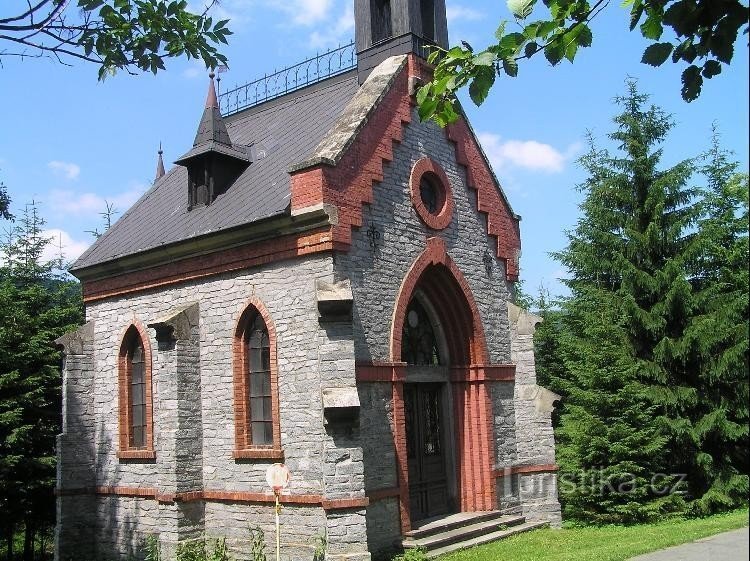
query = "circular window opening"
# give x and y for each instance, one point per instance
(432, 193)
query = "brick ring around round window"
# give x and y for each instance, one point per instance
(431, 194)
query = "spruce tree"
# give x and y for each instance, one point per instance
(718, 336)
(629, 372)
(38, 306)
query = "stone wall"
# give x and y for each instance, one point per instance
(533, 419)
(194, 417)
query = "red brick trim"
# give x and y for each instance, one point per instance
(435, 274)
(382, 494)
(436, 254)
(442, 218)
(125, 450)
(244, 448)
(380, 371)
(217, 496)
(501, 222)
(243, 257)
(484, 373)
(543, 468)
(345, 504)
(349, 184)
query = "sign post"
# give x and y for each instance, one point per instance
(277, 476)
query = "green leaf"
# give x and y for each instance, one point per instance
(711, 68)
(692, 81)
(480, 86)
(485, 58)
(422, 94)
(657, 54)
(510, 66)
(652, 27)
(427, 108)
(500, 32)
(585, 37)
(554, 52)
(530, 49)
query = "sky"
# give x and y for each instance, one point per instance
(73, 144)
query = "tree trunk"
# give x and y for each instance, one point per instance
(9, 541)
(28, 541)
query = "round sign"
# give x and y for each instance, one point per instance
(277, 476)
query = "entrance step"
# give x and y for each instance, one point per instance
(463, 530)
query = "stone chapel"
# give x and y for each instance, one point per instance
(323, 281)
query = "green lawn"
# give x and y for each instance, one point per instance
(609, 543)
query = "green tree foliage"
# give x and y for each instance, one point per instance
(130, 35)
(700, 34)
(718, 334)
(38, 305)
(650, 351)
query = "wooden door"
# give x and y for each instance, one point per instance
(426, 450)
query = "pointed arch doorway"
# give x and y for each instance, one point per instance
(443, 435)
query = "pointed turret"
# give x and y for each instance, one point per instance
(214, 163)
(159, 165)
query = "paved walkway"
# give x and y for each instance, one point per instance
(729, 546)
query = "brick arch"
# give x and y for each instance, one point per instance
(437, 275)
(134, 329)
(244, 448)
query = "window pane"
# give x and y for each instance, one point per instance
(139, 437)
(137, 355)
(256, 361)
(256, 409)
(136, 373)
(139, 415)
(137, 395)
(267, 409)
(257, 387)
(266, 357)
(266, 383)
(261, 434)
(269, 432)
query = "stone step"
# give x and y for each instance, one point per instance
(462, 533)
(460, 520)
(486, 538)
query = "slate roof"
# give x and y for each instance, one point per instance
(277, 134)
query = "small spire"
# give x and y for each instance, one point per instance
(211, 100)
(159, 165)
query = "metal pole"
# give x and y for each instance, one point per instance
(278, 537)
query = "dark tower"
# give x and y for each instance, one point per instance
(396, 27)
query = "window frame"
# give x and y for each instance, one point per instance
(244, 447)
(134, 333)
(430, 171)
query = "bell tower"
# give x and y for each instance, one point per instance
(384, 28)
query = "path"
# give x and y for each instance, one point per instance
(729, 546)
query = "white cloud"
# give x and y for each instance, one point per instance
(341, 31)
(62, 242)
(528, 154)
(239, 12)
(65, 169)
(456, 12)
(70, 202)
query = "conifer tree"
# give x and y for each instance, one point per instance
(631, 379)
(38, 306)
(718, 335)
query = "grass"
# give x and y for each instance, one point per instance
(607, 543)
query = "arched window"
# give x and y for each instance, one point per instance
(135, 396)
(418, 342)
(257, 431)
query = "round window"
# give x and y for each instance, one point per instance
(430, 193)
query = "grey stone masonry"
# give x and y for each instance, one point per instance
(533, 411)
(75, 451)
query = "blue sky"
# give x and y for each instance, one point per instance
(70, 142)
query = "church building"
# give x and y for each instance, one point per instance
(322, 281)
